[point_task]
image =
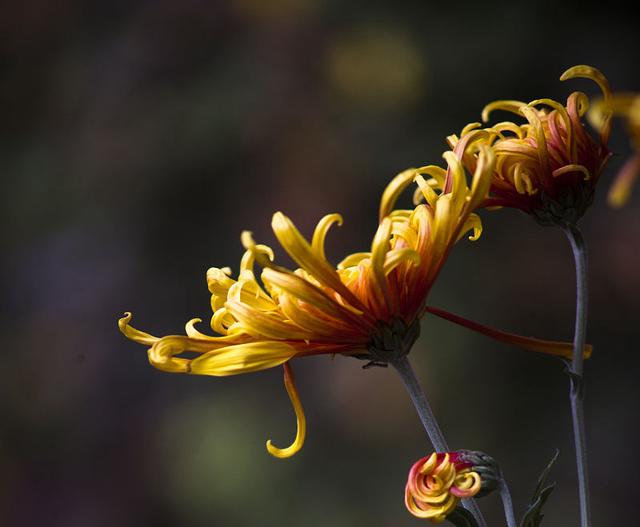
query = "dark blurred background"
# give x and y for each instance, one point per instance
(140, 138)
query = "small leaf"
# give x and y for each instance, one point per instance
(461, 517)
(533, 515)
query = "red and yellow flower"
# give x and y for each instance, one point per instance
(549, 165)
(368, 307)
(437, 483)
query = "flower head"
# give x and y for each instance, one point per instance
(368, 307)
(436, 484)
(626, 105)
(549, 165)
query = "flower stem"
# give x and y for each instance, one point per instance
(428, 419)
(507, 503)
(576, 392)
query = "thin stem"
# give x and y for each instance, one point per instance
(507, 503)
(428, 419)
(576, 393)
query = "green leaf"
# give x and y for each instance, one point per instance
(461, 517)
(533, 516)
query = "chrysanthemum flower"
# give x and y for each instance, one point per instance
(437, 483)
(368, 307)
(548, 166)
(626, 105)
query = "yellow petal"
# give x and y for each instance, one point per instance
(242, 358)
(482, 176)
(456, 180)
(301, 422)
(538, 132)
(353, 260)
(393, 191)
(426, 190)
(621, 187)
(248, 291)
(265, 324)
(309, 293)
(397, 256)
(302, 253)
(324, 328)
(379, 249)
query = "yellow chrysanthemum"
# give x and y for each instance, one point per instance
(437, 483)
(626, 105)
(368, 307)
(550, 165)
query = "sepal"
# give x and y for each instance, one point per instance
(533, 515)
(461, 517)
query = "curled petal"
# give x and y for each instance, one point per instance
(301, 422)
(589, 72)
(568, 169)
(163, 355)
(508, 126)
(474, 223)
(134, 334)
(466, 485)
(218, 280)
(507, 106)
(192, 332)
(263, 254)
(320, 233)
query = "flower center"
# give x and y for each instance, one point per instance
(392, 340)
(567, 209)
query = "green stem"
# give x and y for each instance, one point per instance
(576, 393)
(507, 503)
(428, 419)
